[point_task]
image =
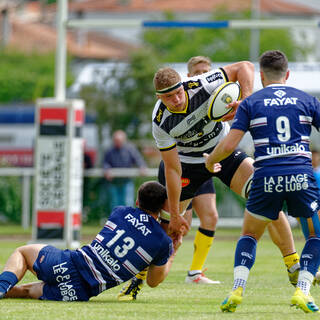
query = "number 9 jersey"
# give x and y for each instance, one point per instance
(130, 241)
(279, 119)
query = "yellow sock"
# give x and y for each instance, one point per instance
(142, 274)
(291, 259)
(202, 243)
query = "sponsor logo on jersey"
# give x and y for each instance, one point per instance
(192, 119)
(137, 224)
(286, 149)
(279, 101)
(185, 182)
(280, 93)
(159, 116)
(213, 77)
(144, 218)
(104, 254)
(193, 84)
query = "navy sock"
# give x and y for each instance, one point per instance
(310, 256)
(7, 281)
(245, 254)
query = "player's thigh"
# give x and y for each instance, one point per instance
(242, 174)
(206, 210)
(30, 253)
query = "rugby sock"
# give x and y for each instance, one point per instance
(240, 276)
(310, 256)
(142, 275)
(304, 281)
(7, 281)
(202, 243)
(292, 262)
(245, 256)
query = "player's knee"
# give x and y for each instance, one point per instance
(210, 220)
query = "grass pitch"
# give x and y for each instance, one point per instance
(267, 295)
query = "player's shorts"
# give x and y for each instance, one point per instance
(206, 188)
(194, 175)
(62, 280)
(268, 194)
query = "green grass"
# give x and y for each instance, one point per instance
(267, 295)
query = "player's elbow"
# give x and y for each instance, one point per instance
(156, 274)
(248, 65)
(152, 283)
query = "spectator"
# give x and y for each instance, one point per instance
(121, 155)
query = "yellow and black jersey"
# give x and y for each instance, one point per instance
(190, 130)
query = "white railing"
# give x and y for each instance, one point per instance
(28, 173)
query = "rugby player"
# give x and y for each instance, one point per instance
(131, 240)
(280, 119)
(183, 132)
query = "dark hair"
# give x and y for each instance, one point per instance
(151, 196)
(274, 64)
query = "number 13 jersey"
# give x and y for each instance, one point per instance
(130, 241)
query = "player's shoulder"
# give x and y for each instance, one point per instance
(201, 80)
(158, 112)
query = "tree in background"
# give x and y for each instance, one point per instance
(26, 77)
(125, 98)
(222, 45)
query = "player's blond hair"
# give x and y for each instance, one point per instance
(197, 59)
(165, 78)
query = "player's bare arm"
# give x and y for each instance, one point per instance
(156, 274)
(173, 173)
(223, 149)
(243, 72)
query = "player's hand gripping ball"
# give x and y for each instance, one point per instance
(220, 98)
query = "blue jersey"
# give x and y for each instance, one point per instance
(279, 119)
(130, 241)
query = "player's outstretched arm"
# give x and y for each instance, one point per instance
(224, 148)
(156, 274)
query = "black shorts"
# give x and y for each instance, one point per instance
(194, 175)
(206, 188)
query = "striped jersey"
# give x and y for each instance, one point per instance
(280, 120)
(130, 241)
(190, 130)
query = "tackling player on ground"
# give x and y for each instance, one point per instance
(131, 240)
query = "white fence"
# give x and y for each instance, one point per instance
(230, 205)
(28, 173)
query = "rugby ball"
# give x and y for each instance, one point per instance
(220, 98)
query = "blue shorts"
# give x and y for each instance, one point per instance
(62, 280)
(194, 175)
(268, 194)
